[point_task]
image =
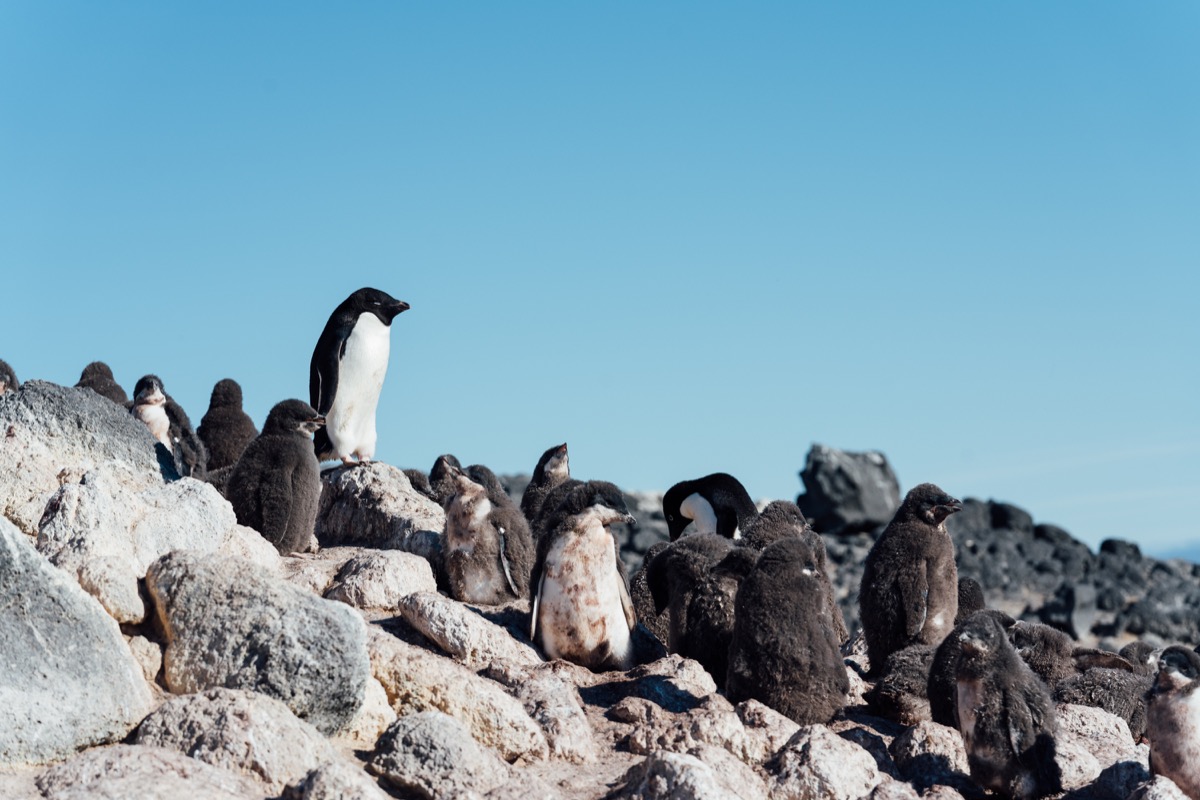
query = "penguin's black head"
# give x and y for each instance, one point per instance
(980, 635)
(227, 393)
(930, 504)
(96, 371)
(8, 378)
(149, 389)
(602, 497)
(1177, 667)
(293, 416)
(373, 301)
(672, 502)
(789, 555)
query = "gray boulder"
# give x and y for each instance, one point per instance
(432, 755)
(463, 633)
(337, 780)
(108, 534)
(417, 680)
(147, 773)
(240, 731)
(847, 492)
(666, 775)
(53, 435)
(231, 623)
(817, 764)
(381, 579)
(374, 505)
(59, 644)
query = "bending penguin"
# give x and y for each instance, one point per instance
(716, 503)
(276, 484)
(581, 611)
(347, 371)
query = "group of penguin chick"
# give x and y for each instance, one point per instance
(745, 593)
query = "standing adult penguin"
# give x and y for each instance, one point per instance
(8, 378)
(581, 611)
(1005, 715)
(552, 469)
(716, 503)
(98, 377)
(276, 484)
(1173, 719)
(909, 590)
(225, 428)
(784, 652)
(347, 371)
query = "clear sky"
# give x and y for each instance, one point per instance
(682, 237)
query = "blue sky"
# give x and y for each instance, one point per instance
(683, 237)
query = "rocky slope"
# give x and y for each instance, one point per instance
(154, 648)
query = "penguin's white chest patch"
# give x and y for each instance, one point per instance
(155, 417)
(350, 422)
(581, 613)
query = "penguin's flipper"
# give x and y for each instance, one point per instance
(533, 614)
(323, 370)
(915, 600)
(512, 587)
(626, 600)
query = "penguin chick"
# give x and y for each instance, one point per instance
(552, 469)
(8, 378)
(943, 672)
(441, 478)
(783, 651)
(581, 611)
(276, 484)
(643, 601)
(487, 548)
(1054, 656)
(488, 480)
(909, 590)
(225, 428)
(716, 503)
(1143, 656)
(1117, 691)
(98, 377)
(420, 482)
(346, 373)
(784, 518)
(677, 574)
(710, 613)
(902, 692)
(547, 513)
(1173, 719)
(1005, 715)
(970, 598)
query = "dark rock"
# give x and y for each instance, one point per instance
(847, 492)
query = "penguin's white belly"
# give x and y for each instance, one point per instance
(350, 422)
(580, 610)
(155, 417)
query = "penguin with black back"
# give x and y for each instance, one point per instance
(225, 428)
(552, 469)
(1122, 692)
(8, 378)
(580, 605)
(784, 652)
(716, 503)
(545, 519)
(1173, 719)
(711, 612)
(346, 374)
(657, 623)
(1005, 715)
(909, 590)
(486, 546)
(98, 377)
(169, 424)
(276, 485)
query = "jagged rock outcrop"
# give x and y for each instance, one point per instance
(69, 679)
(230, 623)
(374, 505)
(847, 492)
